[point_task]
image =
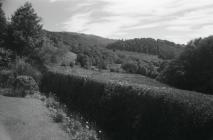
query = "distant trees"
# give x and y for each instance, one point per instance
(193, 69)
(130, 67)
(140, 67)
(144, 45)
(94, 56)
(25, 30)
(162, 48)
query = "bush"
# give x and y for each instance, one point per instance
(73, 124)
(135, 112)
(140, 67)
(24, 85)
(130, 67)
(7, 78)
(6, 57)
(21, 67)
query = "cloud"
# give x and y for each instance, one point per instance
(56, 0)
(118, 18)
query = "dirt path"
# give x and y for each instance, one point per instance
(27, 119)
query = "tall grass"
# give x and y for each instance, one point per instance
(131, 112)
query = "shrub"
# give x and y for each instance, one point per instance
(7, 78)
(6, 57)
(24, 85)
(78, 128)
(130, 67)
(21, 67)
(140, 67)
(135, 112)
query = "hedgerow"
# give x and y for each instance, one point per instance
(135, 112)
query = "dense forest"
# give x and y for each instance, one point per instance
(162, 48)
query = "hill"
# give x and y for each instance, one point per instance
(77, 39)
(141, 56)
(94, 51)
(163, 48)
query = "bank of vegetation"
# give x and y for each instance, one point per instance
(130, 111)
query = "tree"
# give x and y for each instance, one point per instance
(25, 30)
(193, 69)
(130, 67)
(84, 60)
(3, 25)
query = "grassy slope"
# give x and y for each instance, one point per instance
(76, 39)
(128, 79)
(110, 76)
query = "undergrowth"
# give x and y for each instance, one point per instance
(72, 123)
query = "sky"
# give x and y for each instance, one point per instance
(175, 20)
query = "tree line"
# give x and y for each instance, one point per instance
(162, 48)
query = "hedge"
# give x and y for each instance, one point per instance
(135, 112)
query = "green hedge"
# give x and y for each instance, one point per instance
(130, 112)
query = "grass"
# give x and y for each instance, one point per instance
(106, 76)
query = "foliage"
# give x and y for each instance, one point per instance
(126, 111)
(6, 57)
(130, 67)
(7, 78)
(164, 49)
(73, 124)
(140, 67)
(193, 70)
(25, 31)
(24, 85)
(102, 58)
(84, 61)
(50, 55)
(21, 67)
(94, 55)
(3, 26)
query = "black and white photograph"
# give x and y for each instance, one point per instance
(106, 69)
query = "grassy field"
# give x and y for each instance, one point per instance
(127, 79)
(104, 75)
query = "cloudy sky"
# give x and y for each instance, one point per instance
(175, 20)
